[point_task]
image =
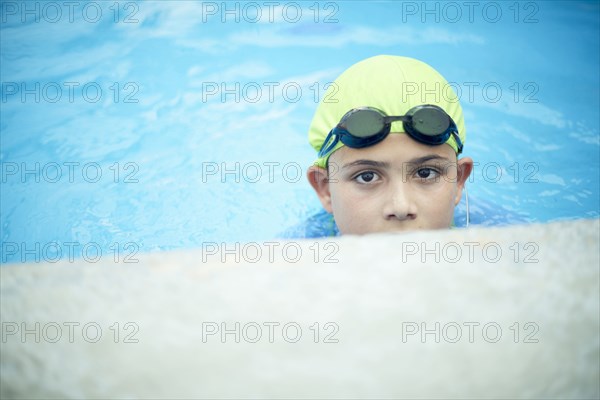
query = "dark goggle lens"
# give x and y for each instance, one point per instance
(430, 121)
(363, 123)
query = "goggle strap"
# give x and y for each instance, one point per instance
(327, 147)
(459, 145)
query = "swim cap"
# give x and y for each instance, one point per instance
(392, 84)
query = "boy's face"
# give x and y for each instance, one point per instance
(398, 184)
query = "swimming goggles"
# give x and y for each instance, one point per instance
(366, 126)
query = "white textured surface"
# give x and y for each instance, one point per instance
(368, 294)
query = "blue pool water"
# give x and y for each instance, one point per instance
(116, 135)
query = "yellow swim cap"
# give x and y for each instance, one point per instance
(392, 84)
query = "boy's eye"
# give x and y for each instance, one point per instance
(367, 177)
(427, 173)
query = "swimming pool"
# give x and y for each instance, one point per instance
(130, 127)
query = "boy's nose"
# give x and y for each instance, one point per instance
(398, 204)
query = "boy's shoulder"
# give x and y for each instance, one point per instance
(317, 225)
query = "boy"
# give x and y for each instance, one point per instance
(388, 133)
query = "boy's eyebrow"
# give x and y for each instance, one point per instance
(424, 159)
(382, 164)
(367, 163)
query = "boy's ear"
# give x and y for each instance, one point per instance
(319, 180)
(464, 168)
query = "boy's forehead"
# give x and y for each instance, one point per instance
(396, 149)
